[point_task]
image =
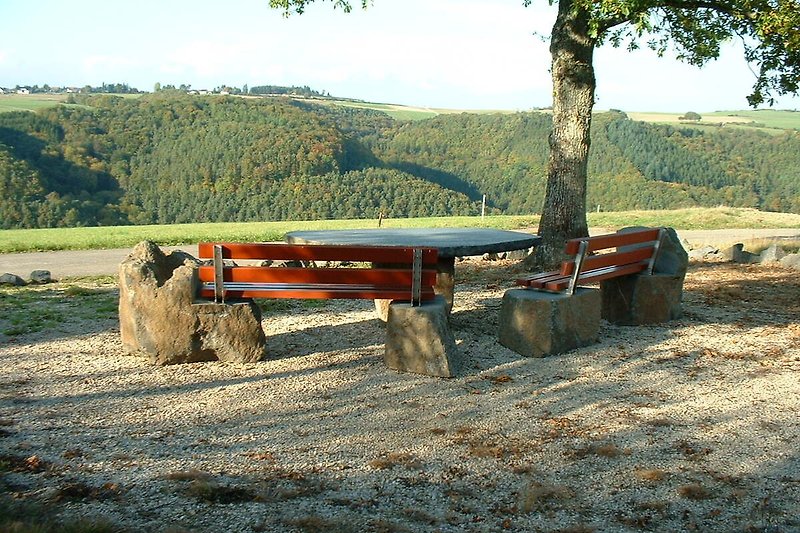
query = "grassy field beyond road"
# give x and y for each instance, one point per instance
(30, 240)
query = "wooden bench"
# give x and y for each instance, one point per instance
(418, 338)
(411, 276)
(634, 252)
(554, 313)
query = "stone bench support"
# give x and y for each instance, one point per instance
(642, 299)
(419, 340)
(160, 319)
(536, 323)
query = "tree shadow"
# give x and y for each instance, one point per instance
(446, 180)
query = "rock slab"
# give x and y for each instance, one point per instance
(537, 324)
(419, 340)
(642, 299)
(160, 319)
(11, 279)
(41, 277)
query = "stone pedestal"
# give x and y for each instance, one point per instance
(536, 323)
(419, 340)
(159, 319)
(642, 299)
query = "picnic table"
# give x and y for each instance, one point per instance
(450, 242)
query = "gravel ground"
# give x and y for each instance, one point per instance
(690, 425)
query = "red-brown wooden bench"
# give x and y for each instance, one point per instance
(418, 338)
(411, 276)
(634, 252)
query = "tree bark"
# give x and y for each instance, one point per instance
(564, 211)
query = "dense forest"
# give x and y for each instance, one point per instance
(169, 157)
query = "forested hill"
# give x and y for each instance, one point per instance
(170, 157)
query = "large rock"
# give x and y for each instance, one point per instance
(419, 340)
(41, 277)
(791, 261)
(672, 257)
(160, 319)
(11, 279)
(773, 254)
(641, 299)
(536, 323)
(737, 254)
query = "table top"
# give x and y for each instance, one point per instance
(451, 242)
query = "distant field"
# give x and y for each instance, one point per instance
(34, 102)
(401, 112)
(764, 119)
(12, 241)
(29, 102)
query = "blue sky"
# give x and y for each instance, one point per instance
(463, 54)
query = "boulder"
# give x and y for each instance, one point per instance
(419, 340)
(791, 261)
(641, 299)
(41, 276)
(773, 254)
(536, 323)
(672, 258)
(160, 319)
(701, 254)
(12, 279)
(737, 254)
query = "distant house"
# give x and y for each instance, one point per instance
(2, 91)
(23, 90)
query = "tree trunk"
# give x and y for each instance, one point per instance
(564, 211)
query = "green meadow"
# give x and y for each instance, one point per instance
(29, 102)
(28, 240)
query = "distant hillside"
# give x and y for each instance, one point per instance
(171, 158)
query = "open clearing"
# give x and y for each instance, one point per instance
(685, 426)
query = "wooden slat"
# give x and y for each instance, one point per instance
(538, 279)
(600, 274)
(316, 292)
(302, 252)
(544, 283)
(593, 262)
(613, 240)
(378, 276)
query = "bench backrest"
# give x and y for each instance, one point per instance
(399, 273)
(635, 252)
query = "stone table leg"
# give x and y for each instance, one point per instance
(445, 282)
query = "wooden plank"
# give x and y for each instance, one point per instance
(314, 291)
(303, 252)
(353, 276)
(612, 240)
(593, 262)
(600, 274)
(543, 283)
(536, 279)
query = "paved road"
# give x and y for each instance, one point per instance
(72, 262)
(99, 262)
